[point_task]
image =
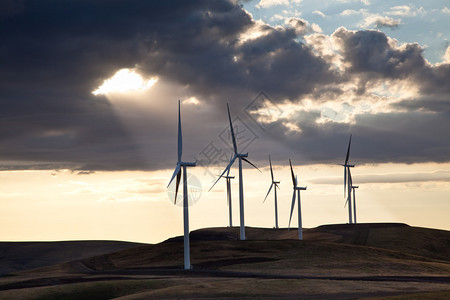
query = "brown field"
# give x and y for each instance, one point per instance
(363, 261)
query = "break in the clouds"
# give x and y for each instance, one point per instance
(54, 55)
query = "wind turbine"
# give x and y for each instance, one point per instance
(228, 177)
(353, 187)
(274, 183)
(354, 202)
(177, 173)
(241, 157)
(297, 190)
(347, 185)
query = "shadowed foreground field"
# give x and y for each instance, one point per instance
(388, 261)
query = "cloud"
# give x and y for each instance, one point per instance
(443, 176)
(371, 19)
(319, 13)
(269, 3)
(373, 52)
(446, 56)
(11, 8)
(381, 22)
(366, 2)
(405, 10)
(207, 53)
(377, 21)
(301, 27)
(349, 12)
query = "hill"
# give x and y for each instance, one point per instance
(334, 261)
(17, 256)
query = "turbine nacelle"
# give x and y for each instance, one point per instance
(347, 165)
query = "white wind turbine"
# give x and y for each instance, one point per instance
(177, 173)
(353, 187)
(274, 183)
(230, 211)
(347, 185)
(241, 157)
(297, 190)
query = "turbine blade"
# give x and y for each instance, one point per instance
(228, 173)
(348, 150)
(350, 181)
(243, 158)
(177, 169)
(226, 169)
(271, 171)
(180, 138)
(292, 209)
(178, 185)
(232, 131)
(292, 173)
(268, 192)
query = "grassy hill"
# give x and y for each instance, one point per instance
(333, 261)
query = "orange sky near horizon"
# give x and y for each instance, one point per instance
(135, 205)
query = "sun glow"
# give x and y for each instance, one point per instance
(125, 80)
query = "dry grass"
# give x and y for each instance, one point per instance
(256, 268)
(171, 288)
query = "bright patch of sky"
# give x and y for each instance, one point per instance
(424, 22)
(125, 80)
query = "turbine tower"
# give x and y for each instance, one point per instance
(241, 157)
(177, 173)
(347, 185)
(274, 183)
(354, 202)
(297, 190)
(353, 187)
(228, 178)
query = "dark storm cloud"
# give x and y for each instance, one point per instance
(369, 53)
(282, 66)
(413, 131)
(54, 53)
(372, 57)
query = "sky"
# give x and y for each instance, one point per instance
(89, 93)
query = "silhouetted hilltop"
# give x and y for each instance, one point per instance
(340, 245)
(339, 261)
